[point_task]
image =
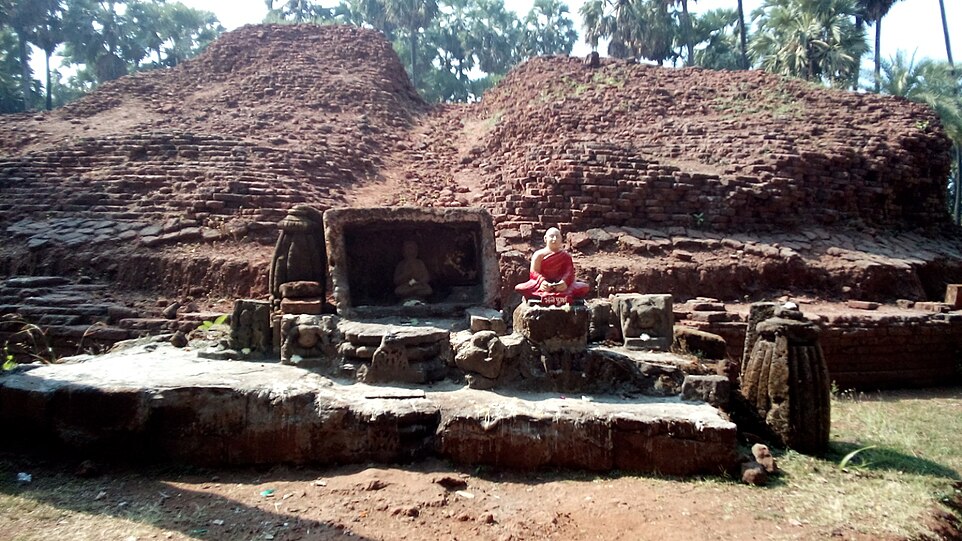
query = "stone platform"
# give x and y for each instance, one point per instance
(157, 402)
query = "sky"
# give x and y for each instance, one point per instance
(914, 26)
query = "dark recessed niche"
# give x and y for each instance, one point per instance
(456, 246)
(451, 253)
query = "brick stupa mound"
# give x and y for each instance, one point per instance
(695, 182)
(177, 178)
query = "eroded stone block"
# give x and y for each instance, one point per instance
(646, 321)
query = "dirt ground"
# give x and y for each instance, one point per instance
(423, 501)
(72, 497)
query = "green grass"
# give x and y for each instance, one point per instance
(778, 102)
(883, 490)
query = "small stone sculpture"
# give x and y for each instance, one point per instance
(786, 380)
(552, 274)
(250, 326)
(299, 254)
(411, 276)
(646, 320)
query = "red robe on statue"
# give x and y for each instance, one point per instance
(555, 267)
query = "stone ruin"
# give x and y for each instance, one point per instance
(661, 185)
(359, 324)
(364, 331)
(370, 333)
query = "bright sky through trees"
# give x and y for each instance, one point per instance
(911, 24)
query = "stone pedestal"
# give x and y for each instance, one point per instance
(786, 381)
(553, 328)
(384, 353)
(308, 339)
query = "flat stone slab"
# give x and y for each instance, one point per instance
(370, 334)
(158, 402)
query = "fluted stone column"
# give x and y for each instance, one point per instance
(786, 381)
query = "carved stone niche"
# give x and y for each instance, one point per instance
(366, 245)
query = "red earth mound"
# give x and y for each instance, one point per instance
(729, 184)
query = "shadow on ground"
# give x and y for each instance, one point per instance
(878, 458)
(149, 495)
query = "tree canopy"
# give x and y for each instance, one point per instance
(99, 40)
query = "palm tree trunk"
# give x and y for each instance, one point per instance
(945, 30)
(878, 54)
(414, 57)
(742, 34)
(957, 207)
(859, 24)
(687, 27)
(24, 71)
(47, 86)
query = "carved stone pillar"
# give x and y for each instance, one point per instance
(786, 381)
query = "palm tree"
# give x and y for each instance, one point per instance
(613, 19)
(48, 34)
(412, 15)
(635, 28)
(874, 10)
(686, 30)
(716, 30)
(23, 17)
(548, 29)
(945, 30)
(816, 40)
(743, 35)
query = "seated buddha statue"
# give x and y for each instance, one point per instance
(552, 274)
(411, 275)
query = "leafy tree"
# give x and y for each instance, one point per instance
(300, 11)
(816, 40)
(411, 16)
(493, 35)
(96, 37)
(48, 35)
(686, 30)
(615, 20)
(547, 30)
(23, 18)
(367, 13)
(716, 29)
(114, 37)
(11, 94)
(635, 28)
(186, 31)
(448, 77)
